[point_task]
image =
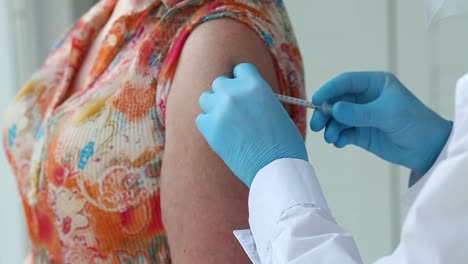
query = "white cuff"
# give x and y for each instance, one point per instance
(280, 185)
(247, 242)
(414, 191)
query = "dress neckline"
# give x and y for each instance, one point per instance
(83, 36)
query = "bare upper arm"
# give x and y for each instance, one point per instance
(202, 201)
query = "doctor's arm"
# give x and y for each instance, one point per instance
(249, 129)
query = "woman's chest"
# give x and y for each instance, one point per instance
(105, 141)
(92, 160)
(107, 145)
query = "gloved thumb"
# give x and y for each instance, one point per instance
(357, 115)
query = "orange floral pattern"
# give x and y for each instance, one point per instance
(88, 167)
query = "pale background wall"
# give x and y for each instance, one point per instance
(11, 238)
(335, 36)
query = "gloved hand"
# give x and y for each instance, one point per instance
(246, 125)
(374, 111)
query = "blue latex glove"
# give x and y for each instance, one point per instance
(374, 111)
(246, 125)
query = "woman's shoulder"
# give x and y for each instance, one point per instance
(225, 39)
(212, 30)
(219, 34)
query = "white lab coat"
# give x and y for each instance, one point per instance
(290, 221)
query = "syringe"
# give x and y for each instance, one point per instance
(325, 107)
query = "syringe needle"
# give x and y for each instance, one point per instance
(325, 107)
(296, 101)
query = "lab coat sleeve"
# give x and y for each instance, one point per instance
(290, 220)
(416, 188)
(435, 229)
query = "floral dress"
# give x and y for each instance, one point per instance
(88, 166)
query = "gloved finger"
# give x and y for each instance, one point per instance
(221, 84)
(318, 121)
(333, 131)
(208, 101)
(359, 115)
(343, 84)
(347, 137)
(203, 125)
(246, 70)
